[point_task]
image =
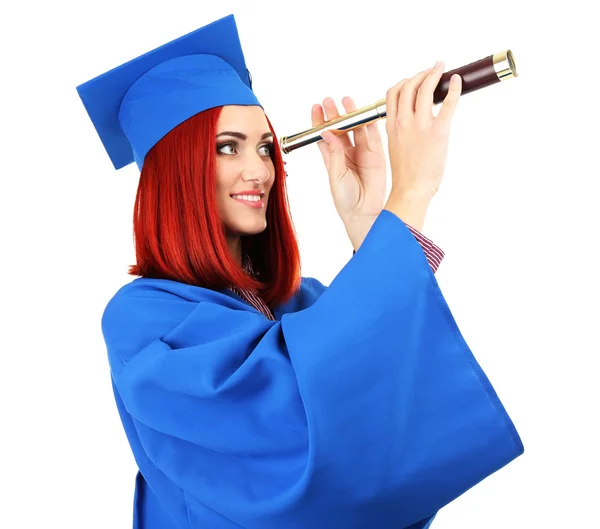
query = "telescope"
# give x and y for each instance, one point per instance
(476, 75)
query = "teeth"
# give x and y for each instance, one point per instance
(249, 198)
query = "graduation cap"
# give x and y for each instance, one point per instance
(134, 105)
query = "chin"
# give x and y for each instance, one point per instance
(245, 230)
(254, 231)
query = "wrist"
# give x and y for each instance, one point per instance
(410, 206)
(357, 228)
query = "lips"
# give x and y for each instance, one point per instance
(257, 204)
(260, 194)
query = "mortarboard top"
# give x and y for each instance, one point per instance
(134, 105)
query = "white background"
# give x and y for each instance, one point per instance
(517, 216)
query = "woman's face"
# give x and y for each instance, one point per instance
(245, 169)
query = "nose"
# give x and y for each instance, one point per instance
(256, 169)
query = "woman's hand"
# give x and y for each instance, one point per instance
(418, 140)
(357, 170)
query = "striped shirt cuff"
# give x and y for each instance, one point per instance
(433, 252)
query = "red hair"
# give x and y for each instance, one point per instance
(178, 231)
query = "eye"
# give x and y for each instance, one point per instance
(227, 148)
(267, 149)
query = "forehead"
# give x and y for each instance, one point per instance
(246, 119)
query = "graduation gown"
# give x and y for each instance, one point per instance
(360, 407)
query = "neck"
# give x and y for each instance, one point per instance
(235, 247)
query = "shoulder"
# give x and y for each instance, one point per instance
(146, 309)
(312, 286)
(145, 295)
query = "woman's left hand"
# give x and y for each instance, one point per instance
(358, 167)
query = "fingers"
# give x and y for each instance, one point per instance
(413, 97)
(333, 148)
(450, 103)
(336, 155)
(316, 115)
(331, 112)
(317, 119)
(391, 102)
(374, 135)
(360, 134)
(424, 99)
(367, 136)
(407, 96)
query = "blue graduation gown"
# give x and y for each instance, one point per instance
(360, 407)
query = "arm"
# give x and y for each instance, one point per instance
(410, 208)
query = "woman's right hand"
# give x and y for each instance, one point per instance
(418, 140)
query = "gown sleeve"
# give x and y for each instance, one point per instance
(364, 409)
(433, 252)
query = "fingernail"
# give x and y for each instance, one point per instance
(438, 64)
(325, 137)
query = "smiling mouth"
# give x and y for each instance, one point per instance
(250, 201)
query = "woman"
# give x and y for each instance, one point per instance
(251, 396)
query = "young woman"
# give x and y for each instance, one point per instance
(252, 396)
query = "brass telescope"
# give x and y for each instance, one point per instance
(485, 72)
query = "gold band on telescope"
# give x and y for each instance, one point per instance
(504, 64)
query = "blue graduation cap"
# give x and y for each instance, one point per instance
(134, 105)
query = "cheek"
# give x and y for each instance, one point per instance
(224, 177)
(271, 181)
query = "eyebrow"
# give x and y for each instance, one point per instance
(242, 136)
